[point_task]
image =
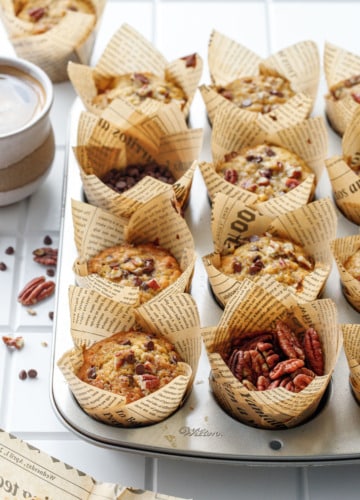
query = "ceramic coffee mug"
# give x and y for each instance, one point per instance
(26, 136)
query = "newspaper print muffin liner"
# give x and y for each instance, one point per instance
(48, 49)
(245, 312)
(156, 221)
(351, 335)
(342, 249)
(122, 136)
(298, 63)
(311, 226)
(339, 65)
(308, 140)
(129, 52)
(94, 317)
(345, 182)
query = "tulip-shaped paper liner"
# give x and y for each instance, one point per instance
(339, 66)
(123, 136)
(156, 221)
(342, 249)
(299, 63)
(307, 139)
(351, 335)
(255, 309)
(95, 317)
(129, 52)
(344, 171)
(72, 38)
(311, 226)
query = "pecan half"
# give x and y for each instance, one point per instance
(46, 256)
(288, 341)
(285, 367)
(313, 351)
(36, 290)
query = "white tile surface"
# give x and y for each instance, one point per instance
(177, 28)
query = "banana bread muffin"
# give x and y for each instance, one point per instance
(350, 86)
(132, 364)
(147, 266)
(45, 14)
(352, 264)
(136, 87)
(285, 261)
(259, 93)
(266, 170)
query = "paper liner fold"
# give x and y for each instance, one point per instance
(254, 308)
(351, 335)
(339, 65)
(94, 317)
(312, 226)
(72, 39)
(123, 136)
(345, 182)
(127, 52)
(342, 249)
(157, 220)
(307, 139)
(229, 60)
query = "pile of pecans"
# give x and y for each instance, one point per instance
(276, 358)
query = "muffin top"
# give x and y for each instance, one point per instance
(45, 14)
(136, 87)
(265, 170)
(132, 364)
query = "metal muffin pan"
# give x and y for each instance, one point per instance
(200, 429)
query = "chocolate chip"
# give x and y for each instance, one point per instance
(10, 251)
(47, 240)
(3, 266)
(51, 315)
(22, 375)
(50, 272)
(139, 369)
(91, 373)
(150, 346)
(32, 373)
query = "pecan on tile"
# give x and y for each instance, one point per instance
(36, 290)
(313, 351)
(46, 256)
(16, 342)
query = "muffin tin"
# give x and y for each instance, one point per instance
(200, 429)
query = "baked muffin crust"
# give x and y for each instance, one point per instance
(266, 170)
(132, 364)
(147, 266)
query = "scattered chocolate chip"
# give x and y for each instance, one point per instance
(32, 373)
(50, 272)
(3, 266)
(22, 375)
(47, 240)
(51, 315)
(10, 251)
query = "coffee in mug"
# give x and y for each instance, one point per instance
(22, 98)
